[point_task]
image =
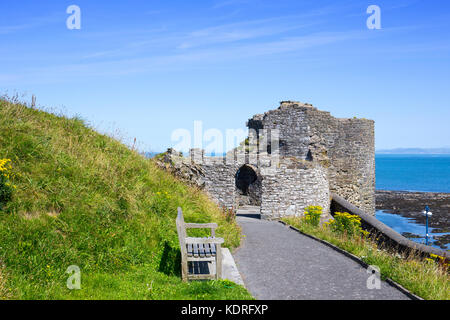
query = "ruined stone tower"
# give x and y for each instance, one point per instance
(345, 147)
(317, 155)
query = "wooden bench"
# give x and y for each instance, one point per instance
(198, 249)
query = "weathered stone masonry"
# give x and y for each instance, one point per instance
(318, 155)
(346, 147)
(296, 185)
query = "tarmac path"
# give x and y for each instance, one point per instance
(278, 263)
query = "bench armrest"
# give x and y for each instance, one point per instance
(189, 240)
(201, 225)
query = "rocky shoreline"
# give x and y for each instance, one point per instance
(411, 205)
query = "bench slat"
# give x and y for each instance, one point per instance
(195, 247)
(213, 249)
(204, 240)
(201, 250)
(207, 250)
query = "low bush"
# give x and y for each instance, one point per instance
(6, 187)
(346, 223)
(312, 215)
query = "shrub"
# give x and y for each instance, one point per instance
(229, 214)
(312, 215)
(6, 187)
(443, 263)
(346, 223)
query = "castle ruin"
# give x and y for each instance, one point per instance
(315, 155)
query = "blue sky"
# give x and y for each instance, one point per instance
(146, 68)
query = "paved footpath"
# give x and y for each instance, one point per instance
(279, 263)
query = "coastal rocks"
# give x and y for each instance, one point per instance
(411, 205)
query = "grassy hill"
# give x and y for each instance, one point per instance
(82, 198)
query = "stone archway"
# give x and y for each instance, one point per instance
(248, 185)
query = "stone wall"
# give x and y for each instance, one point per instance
(295, 185)
(286, 189)
(318, 154)
(220, 180)
(346, 147)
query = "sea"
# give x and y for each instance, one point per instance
(424, 173)
(427, 173)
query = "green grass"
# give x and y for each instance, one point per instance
(424, 278)
(85, 199)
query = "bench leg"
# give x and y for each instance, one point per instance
(184, 270)
(218, 262)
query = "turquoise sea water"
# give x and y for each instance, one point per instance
(429, 173)
(413, 172)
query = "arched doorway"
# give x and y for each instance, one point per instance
(248, 185)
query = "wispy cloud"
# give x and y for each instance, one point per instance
(227, 3)
(202, 56)
(14, 28)
(146, 50)
(32, 24)
(245, 30)
(222, 34)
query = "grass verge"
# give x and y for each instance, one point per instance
(82, 198)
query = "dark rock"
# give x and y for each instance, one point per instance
(411, 205)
